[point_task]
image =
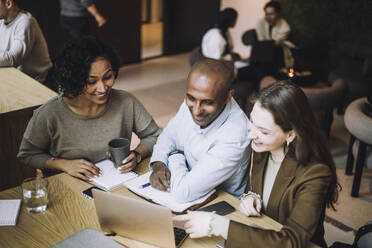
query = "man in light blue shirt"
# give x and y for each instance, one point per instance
(206, 144)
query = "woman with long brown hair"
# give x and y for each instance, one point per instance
(292, 176)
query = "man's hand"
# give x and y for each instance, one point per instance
(129, 163)
(160, 176)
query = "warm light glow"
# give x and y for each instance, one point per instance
(291, 72)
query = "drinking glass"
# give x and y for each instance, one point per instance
(35, 194)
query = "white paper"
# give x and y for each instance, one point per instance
(9, 210)
(161, 197)
(111, 178)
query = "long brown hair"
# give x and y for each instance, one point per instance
(291, 111)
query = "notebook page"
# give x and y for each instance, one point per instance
(9, 210)
(111, 178)
(161, 197)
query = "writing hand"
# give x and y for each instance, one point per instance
(160, 176)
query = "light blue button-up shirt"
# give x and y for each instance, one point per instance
(215, 156)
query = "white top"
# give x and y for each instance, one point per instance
(213, 44)
(217, 155)
(271, 171)
(22, 45)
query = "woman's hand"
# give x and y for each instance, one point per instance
(196, 223)
(251, 206)
(129, 163)
(79, 168)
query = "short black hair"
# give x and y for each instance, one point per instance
(227, 18)
(72, 65)
(274, 4)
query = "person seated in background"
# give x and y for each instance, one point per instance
(274, 27)
(74, 17)
(216, 42)
(71, 132)
(292, 176)
(206, 144)
(22, 43)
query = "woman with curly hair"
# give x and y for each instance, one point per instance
(292, 176)
(70, 132)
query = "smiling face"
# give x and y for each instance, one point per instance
(266, 135)
(101, 78)
(205, 98)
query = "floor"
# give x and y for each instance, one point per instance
(160, 85)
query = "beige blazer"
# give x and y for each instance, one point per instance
(279, 32)
(297, 201)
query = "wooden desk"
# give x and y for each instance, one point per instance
(68, 212)
(20, 95)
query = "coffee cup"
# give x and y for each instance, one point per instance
(118, 149)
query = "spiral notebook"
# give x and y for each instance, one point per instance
(9, 211)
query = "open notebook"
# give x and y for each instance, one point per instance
(111, 178)
(161, 197)
(9, 210)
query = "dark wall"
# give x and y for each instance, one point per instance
(331, 27)
(185, 22)
(122, 29)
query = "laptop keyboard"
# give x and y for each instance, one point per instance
(179, 235)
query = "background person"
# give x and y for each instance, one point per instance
(274, 27)
(293, 176)
(22, 43)
(71, 131)
(74, 17)
(206, 144)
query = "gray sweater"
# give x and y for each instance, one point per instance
(74, 8)
(55, 131)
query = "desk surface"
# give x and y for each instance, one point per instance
(68, 212)
(19, 91)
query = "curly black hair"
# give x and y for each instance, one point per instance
(72, 65)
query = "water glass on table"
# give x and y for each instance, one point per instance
(35, 194)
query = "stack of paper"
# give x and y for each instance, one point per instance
(161, 197)
(9, 210)
(111, 178)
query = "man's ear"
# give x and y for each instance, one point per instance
(9, 4)
(230, 94)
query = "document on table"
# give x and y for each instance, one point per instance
(161, 197)
(9, 211)
(111, 178)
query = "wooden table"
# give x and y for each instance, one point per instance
(68, 212)
(20, 95)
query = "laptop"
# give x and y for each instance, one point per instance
(137, 219)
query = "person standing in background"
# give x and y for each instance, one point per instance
(274, 27)
(22, 43)
(74, 17)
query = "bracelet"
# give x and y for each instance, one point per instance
(210, 228)
(250, 193)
